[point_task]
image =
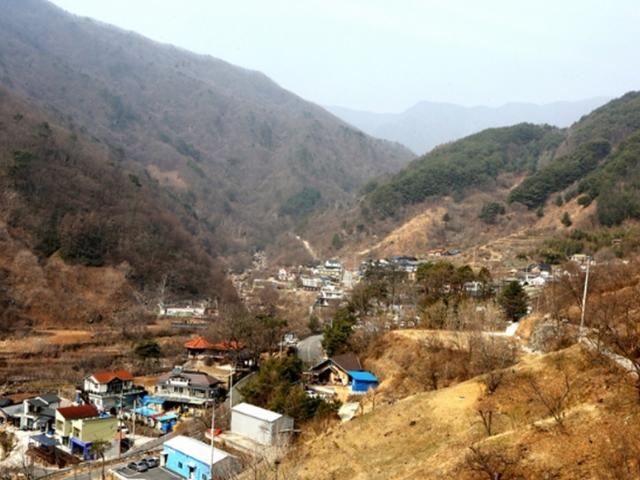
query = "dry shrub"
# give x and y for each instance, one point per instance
(491, 462)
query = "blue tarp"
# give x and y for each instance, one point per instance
(145, 411)
(168, 417)
(363, 376)
(152, 400)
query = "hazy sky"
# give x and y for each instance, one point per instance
(384, 55)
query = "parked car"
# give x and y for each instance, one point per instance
(140, 466)
(152, 462)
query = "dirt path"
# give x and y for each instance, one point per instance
(307, 246)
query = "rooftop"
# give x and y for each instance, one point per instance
(363, 376)
(196, 449)
(345, 361)
(196, 378)
(78, 411)
(202, 344)
(199, 344)
(106, 377)
(256, 412)
(49, 398)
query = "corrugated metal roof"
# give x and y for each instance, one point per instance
(44, 440)
(363, 376)
(50, 398)
(13, 410)
(256, 412)
(196, 449)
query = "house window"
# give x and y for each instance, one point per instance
(204, 477)
(180, 465)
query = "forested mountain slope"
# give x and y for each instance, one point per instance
(81, 230)
(231, 144)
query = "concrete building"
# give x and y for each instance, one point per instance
(191, 459)
(260, 425)
(80, 426)
(38, 413)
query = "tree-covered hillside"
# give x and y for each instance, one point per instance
(475, 161)
(596, 158)
(228, 141)
(66, 195)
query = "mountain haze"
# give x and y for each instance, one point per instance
(230, 144)
(428, 124)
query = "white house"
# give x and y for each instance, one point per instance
(190, 310)
(260, 425)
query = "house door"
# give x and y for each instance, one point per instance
(163, 459)
(192, 473)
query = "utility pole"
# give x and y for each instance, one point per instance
(584, 300)
(133, 428)
(120, 421)
(213, 426)
(233, 370)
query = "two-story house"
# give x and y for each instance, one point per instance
(189, 388)
(38, 412)
(81, 425)
(107, 390)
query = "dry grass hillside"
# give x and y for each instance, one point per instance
(431, 434)
(495, 245)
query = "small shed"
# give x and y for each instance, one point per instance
(362, 382)
(260, 425)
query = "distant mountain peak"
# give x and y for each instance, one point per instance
(430, 123)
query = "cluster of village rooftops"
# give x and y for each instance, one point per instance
(332, 281)
(63, 431)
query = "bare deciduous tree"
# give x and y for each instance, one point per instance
(553, 396)
(491, 463)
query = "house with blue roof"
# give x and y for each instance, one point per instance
(362, 381)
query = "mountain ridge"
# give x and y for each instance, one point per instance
(421, 127)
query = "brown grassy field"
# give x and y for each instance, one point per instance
(429, 435)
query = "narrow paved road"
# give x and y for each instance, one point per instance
(310, 349)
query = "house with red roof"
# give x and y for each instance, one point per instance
(111, 389)
(199, 347)
(79, 426)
